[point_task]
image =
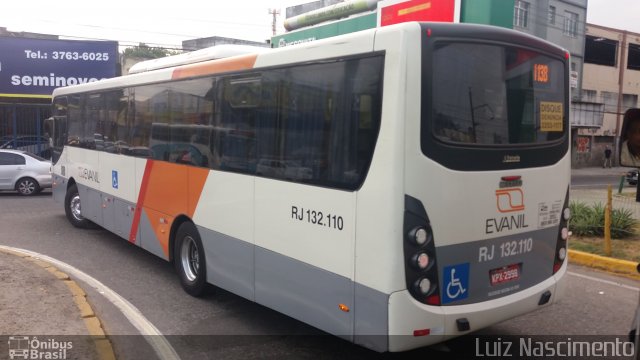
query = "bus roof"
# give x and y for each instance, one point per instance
(210, 53)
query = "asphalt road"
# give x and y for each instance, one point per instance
(230, 327)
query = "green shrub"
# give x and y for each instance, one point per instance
(589, 220)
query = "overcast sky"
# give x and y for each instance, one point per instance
(617, 14)
(167, 24)
(156, 22)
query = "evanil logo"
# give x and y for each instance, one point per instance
(23, 347)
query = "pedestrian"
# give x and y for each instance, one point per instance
(607, 157)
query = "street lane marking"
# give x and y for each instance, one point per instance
(609, 282)
(151, 334)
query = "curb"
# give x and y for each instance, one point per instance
(103, 345)
(617, 266)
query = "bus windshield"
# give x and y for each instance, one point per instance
(486, 94)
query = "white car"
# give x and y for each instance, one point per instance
(24, 172)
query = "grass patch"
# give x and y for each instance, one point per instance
(588, 220)
(624, 249)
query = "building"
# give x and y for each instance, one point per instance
(561, 22)
(201, 43)
(611, 82)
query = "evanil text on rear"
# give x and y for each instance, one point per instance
(396, 187)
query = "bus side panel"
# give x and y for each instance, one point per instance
(118, 176)
(85, 172)
(226, 205)
(371, 318)
(229, 262)
(304, 253)
(148, 225)
(379, 260)
(224, 215)
(118, 191)
(304, 292)
(123, 217)
(91, 203)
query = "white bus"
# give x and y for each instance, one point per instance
(428, 195)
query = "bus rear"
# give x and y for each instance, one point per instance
(487, 171)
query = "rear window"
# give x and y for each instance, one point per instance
(487, 94)
(34, 156)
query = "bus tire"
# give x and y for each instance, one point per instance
(189, 260)
(72, 208)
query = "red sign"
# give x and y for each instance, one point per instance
(418, 10)
(582, 144)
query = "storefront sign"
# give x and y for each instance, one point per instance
(34, 67)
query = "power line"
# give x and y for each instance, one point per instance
(128, 42)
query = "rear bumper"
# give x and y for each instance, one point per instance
(408, 315)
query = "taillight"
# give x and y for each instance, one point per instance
(421, 271)
(563, 236)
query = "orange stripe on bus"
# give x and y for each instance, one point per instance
(235, 63)
(141, 196)
(169, 190)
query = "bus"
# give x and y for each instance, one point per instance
(396, 187)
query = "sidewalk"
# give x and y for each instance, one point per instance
(618, 170)
(43, 310)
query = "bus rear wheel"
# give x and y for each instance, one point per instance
(189, 260)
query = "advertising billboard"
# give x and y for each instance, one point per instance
(34, 67)
(395, 12)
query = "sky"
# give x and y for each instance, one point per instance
(167, 24)
(161, 23)
(617, 14)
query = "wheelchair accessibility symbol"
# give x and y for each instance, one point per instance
(456, 283)
(114, 179)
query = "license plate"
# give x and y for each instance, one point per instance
(504, 274)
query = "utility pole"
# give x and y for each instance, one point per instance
(622, 67)
(274, 13)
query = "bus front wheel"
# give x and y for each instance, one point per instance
(190, 260)
(73, 209)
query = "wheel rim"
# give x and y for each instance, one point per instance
(190, 258)
(26, 187)
(76, 209)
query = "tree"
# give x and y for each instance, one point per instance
(144, 51)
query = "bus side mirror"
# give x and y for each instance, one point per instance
(629, 145)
